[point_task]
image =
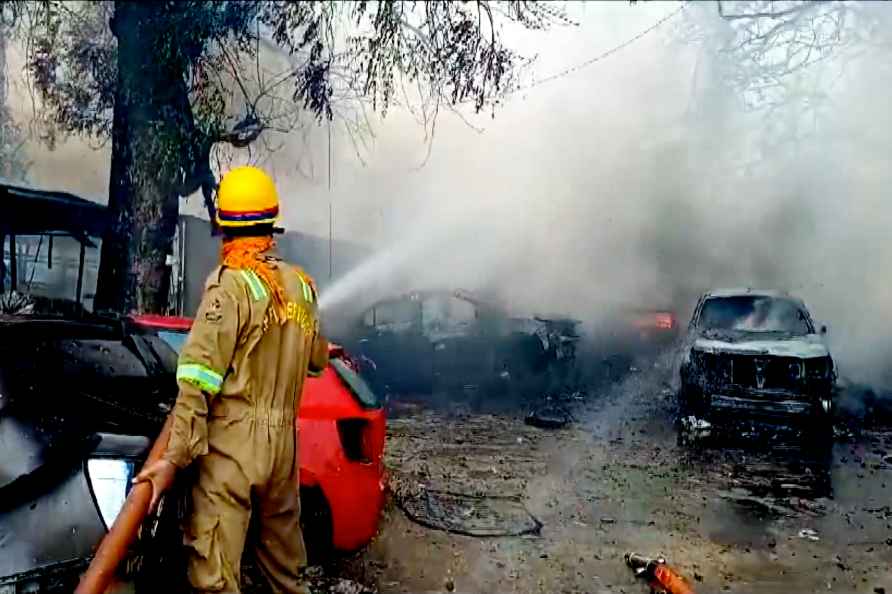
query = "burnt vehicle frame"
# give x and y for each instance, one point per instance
(467, 345)
(81, 397)
(47, 214)
(758, 375)
(81, 401)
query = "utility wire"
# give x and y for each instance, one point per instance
(599, 57)
(330, 211)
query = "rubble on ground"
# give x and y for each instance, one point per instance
(617, 479)
(549, 415)
(470, 515)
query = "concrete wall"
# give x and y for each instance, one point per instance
(309, 251)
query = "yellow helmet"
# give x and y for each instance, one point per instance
(247, 196)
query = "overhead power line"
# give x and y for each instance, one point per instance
(601, 56)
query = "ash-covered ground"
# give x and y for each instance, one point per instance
(555, 510)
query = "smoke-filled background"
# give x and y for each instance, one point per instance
(639, 179)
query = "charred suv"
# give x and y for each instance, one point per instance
(756, 354)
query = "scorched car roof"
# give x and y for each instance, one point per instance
(743, 292)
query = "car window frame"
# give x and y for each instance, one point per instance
(339, 366)
(799, 304)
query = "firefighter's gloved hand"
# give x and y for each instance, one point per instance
(160, 474)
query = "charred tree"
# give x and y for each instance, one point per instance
(151, 117)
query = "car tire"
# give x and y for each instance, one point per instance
(684, 403)
(819, 428)
(691, 402)
(316, 525)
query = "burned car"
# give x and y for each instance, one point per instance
(637, 328)
(82, 395)
(432, 341)
(80, 401)
(755, 354)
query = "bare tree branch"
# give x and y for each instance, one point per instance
(770, 14)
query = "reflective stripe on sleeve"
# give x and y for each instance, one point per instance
(204, 377)
(305, 288)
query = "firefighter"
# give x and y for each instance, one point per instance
(240, 375)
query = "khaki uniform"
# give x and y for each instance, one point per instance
(240, 375)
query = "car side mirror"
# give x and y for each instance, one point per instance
(823, 329)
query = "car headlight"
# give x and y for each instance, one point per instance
(110, 481)
(818, 368)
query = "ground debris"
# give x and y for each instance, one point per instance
(549, 416)
(315, 576)
(762, 506)
(620, 456)
(336, 585)
(694, 428)
(840, 563)
(881, 513)
(470, 515)
(809, 534)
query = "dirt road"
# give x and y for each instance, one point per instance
(761, 516)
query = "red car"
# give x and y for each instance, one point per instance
(340, 433)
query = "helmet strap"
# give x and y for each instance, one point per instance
(263, 230)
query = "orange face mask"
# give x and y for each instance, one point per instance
(243, 253)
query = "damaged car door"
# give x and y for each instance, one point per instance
(393, 338)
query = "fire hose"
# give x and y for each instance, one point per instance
(123, 532)
(662, 577)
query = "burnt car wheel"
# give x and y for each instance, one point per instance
(691, 401)
(316, 524)
(819, 425)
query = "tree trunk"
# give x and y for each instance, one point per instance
(147, 136)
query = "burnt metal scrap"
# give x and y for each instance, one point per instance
(15, 303)
(550, 415)
(450, 340)
(80, 397)
(46, 214)
(756, 353)
(470, 515)
(71, 391)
